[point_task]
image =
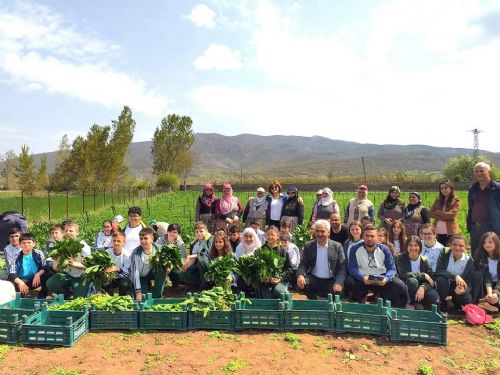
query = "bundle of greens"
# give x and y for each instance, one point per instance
(63, 250)
(269, 264)
(300, 236)
(2, 263)
(215, 299)
(100, 301)
(166, 307)
(97, 263)
(167, 257)
(219, 272)
(246, 268)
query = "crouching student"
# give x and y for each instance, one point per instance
(486, 285)
(415, 270)
(196, 263)
(122, 266)
(275, 286)
(142, 272)
(69, 281)
(13, 249)
(173, 237)
(454, 274)
(371, 267)
(27, 272)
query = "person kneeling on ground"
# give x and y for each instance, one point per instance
(28, 269)
(196, 263)
(415, 270)
(371, 267)
(142, 272)
(121, 269)
(454, 274)
(322, 269)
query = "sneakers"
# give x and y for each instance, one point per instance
(488, 306)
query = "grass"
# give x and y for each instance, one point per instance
(60, 371)
(3, 351)
(233, 366)
(291, 339)
(425, 370)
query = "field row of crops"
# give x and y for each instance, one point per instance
(179, 208)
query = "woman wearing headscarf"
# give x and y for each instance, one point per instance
(293, 208)
(256, 208)
(392, 208)
(444, 211)
(326, 206)
(205, 207)
(228, 208)
(359, 207)
(415, 214)
(249, 243)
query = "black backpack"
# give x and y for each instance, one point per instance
(8, 221)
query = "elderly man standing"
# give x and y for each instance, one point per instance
(371, 267)
(484, 205)
(322, 269)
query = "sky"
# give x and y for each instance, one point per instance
(384, 72)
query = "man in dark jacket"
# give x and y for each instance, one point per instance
(322, 269)
(484, 205)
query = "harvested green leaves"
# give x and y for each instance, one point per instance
(167, 257)
(215, 299)
(100, 301)
(263, 265)
(63, 250)
(97, 263)
(220, 271)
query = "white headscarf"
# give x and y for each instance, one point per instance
(243, 248)
(329, 200)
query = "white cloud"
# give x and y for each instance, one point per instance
(202, 16)
(218, 57)
(39, 50)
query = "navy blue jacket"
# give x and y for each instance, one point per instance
(16, 269)
(494, 205)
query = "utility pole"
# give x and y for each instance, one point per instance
(475, 150)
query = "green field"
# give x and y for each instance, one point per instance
(179, 208)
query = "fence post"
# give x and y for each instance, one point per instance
(22, 202)
(48, 198)
(67, 203)
(94, 199)
(104, 197)
(83, 201)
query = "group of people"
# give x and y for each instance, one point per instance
(406, 260)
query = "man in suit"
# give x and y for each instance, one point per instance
(322, 269)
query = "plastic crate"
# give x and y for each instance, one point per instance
(215, 320)
(162, 320)
(310, 314)
(101, 320)
(61, 328)
(13, 313)
(418, 326)
(361, 318)
(260, 314)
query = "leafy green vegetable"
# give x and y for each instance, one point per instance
(246, 268)
(215, 299)
(495, 326)
(2, 263)
(65, 249)
(167, 257)
(264, 264)
(97, 263)
(166, 307)
(425, 370)
(300, 236)
(100, 301)
(219, 272)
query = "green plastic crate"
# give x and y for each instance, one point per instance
(55, 328)
(215, 320)
(13, 313)
(101, 320)
(361, 318)
(310, 314)
(260, 314)
(162, 320)
(418, 326)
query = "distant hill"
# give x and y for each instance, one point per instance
(294, 156)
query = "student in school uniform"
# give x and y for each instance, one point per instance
(121, 267)
(485, 283)
(431, 248)
(13, 249)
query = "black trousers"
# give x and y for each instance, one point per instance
(123, 285)
(446, 288)
(43, 284)
(430, 297)
(318, 287)
(443, 239)
(394, 291)
(476, 232)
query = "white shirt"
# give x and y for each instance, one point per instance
(457, 267)
(397, 246)
(493, 267)
(321, 269)
(276, 206)
(432, 253)
(415, 265)
(132, 239)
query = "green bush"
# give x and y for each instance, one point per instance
(168, 180)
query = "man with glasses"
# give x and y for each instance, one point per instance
(431, 248)
(256, 208)
(132, 229)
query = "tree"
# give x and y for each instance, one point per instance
(25, 170)
(173, 138)
(41, 179)
(168, 180)
(461, 168)
(7, 171)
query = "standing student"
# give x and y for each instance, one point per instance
(13, 249)
(454, 274)
(431, 248)
(121, 268)
(415, 270)
(486, 285)
(68, 282)
(444, 211)
(28, 269)
(142, 272)
(132, 229)
(103, 239)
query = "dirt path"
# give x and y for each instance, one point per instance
(470, 350)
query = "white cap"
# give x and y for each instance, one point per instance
(260, 190)
(319, 192)
(118, 218)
